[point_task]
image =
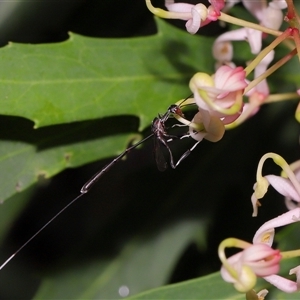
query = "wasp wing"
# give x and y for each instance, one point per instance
(159, 156)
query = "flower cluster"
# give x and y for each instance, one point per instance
(264, 261)
(259, 259)
(230, 96)
(219, 99)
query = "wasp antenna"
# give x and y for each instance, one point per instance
(7, 261)
(180, 104)
(39, 231)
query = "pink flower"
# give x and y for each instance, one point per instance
(262, 87)
(269, 16)
(220, 94)
(196, 15)
(193, 14)
(213, 127)
(262, 259)
(259, 259)
(217, 6)
(258, 94)
(230, 79)
(243, 268)
(282, 283)
(253, 37)
(266, 234)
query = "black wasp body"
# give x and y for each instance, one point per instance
(158, 130)
(161, 137)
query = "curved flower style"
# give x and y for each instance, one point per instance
(288, 187)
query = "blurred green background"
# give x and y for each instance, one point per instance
(136, 223)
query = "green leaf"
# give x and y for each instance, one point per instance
(11, 209)
(144, 263)
(87, 79)
(285, 296)
(207, 287)
(29, 154)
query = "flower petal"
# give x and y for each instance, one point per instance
(283, 186)
(289, 217)
(282, 283)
